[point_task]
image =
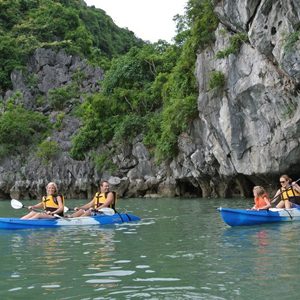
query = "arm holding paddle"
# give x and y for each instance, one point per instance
(89, 208)
(296, 186)
(34, 210)
(36, 206)
(101, 202)
(52, 204)
(287, 191)
(80, 211)
(274, 199)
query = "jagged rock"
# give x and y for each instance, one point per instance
(247, 131)
(168, 188)
(290, 61)
(236, 14)
(274, 21)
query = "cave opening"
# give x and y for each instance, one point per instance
(4, 195)
(189, 190)
(241, 187)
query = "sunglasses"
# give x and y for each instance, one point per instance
(282, 181)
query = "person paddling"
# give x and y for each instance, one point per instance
(52, 204)
(288, 193)
(261, 199)
(103, 198)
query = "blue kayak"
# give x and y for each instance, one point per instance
(17, 223)
(243, 217)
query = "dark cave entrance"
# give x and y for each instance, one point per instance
(188, 189)
(4, 195)
(240, 187)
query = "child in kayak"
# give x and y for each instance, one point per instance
(261, 199)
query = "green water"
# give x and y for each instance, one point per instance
(180, 250)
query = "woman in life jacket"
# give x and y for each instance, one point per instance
(103, 198)
(288, 193)
(261, 199)
(52, 204)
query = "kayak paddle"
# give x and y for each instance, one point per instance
(17, 205)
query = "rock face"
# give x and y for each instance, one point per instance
(26, 177)
(251, 126)
(247, 132)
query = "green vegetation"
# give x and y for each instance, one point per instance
(58, 97)
(26, 25)
(150, 90)
(236, 42)
(47, 150)
(216, 80)
(20, 128)
(59, 121)
(103, 162)
(291, 40)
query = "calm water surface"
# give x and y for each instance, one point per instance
(180, 250)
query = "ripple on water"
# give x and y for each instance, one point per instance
(142, 267)
(112, 273)
(156, 279)
(103, 280)
(122, 261)
(15, 289)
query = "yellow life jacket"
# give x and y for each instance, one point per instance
(100, 198)
(50, 202)
(289, 193)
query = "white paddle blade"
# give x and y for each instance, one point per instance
(66, 209)
(16, 204)
(107, 211)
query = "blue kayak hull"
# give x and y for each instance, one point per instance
(244, 217)
(16, 223)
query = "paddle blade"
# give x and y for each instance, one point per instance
(107, 211)
(66, 209)
(16, 204)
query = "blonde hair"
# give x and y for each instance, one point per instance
(53, 184)
(259, 190)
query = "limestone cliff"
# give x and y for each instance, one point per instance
(248, 129)
(247, 132)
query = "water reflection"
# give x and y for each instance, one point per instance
(265, 253)
(40, 259)
(180, 250)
